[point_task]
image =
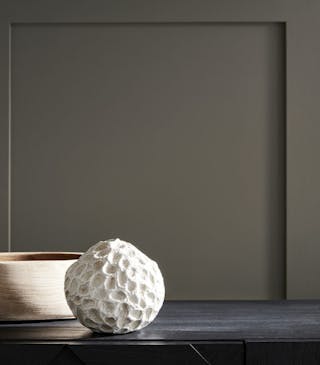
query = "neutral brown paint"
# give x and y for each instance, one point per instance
(204, 100)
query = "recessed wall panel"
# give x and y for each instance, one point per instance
(167, 135)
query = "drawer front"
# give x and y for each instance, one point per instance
(155, 353)
(283, 352)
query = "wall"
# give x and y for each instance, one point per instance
(175, 130)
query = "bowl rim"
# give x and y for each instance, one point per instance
(38, 256)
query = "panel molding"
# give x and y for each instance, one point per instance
(5, 135)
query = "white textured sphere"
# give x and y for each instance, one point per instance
(114, 288)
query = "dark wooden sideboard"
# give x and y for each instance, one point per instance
(185, 332)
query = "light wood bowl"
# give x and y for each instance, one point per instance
(32, 285)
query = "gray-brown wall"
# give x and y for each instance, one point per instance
(170, 134)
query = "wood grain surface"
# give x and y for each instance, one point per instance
(192, 321)
(32, 285)
(219, 333)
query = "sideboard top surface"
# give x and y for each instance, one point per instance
(191, 321)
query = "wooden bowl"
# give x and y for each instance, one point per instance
(32, 285)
